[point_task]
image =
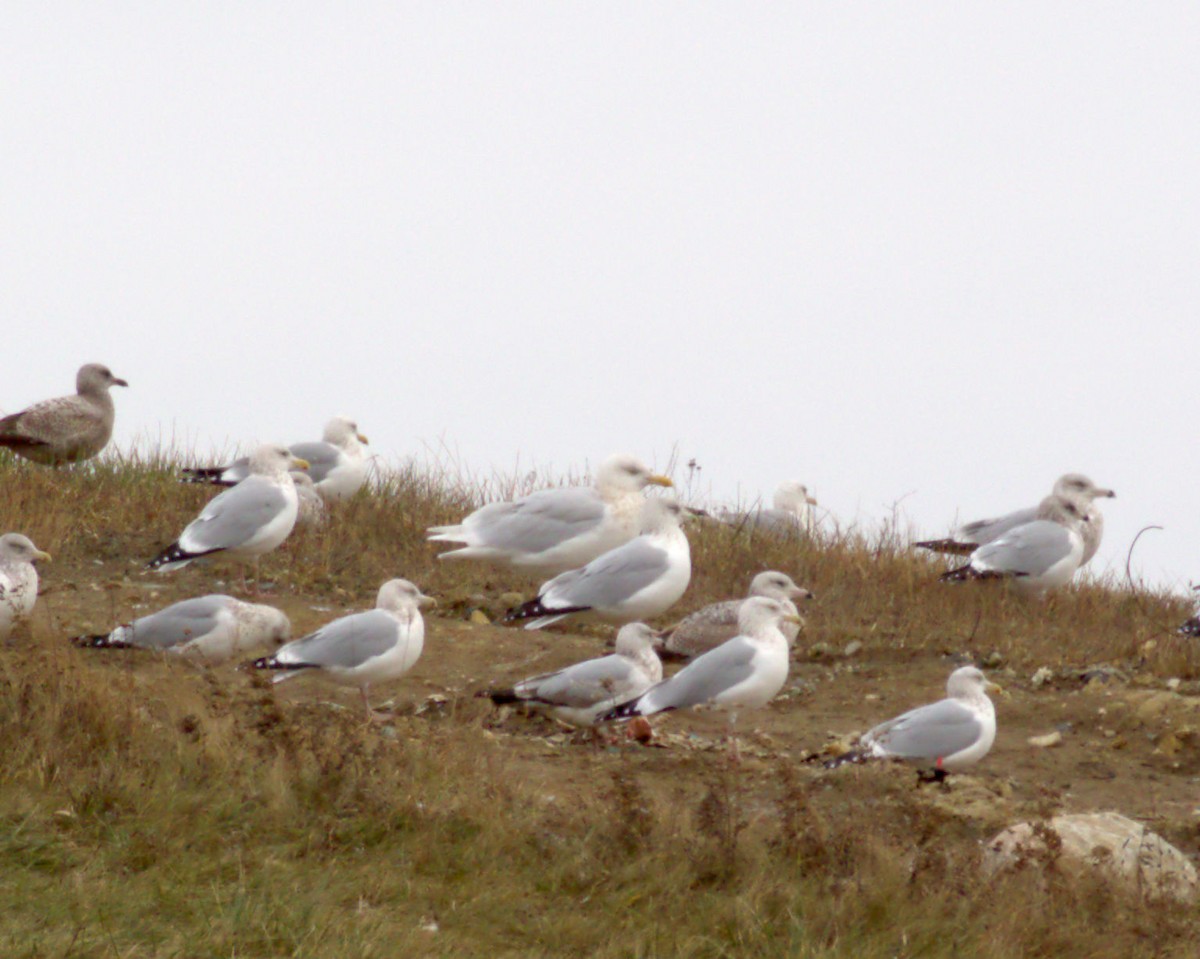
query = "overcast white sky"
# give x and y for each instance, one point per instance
(938, 251)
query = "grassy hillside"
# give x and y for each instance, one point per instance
(153, 809)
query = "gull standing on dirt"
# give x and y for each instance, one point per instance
(969, 537)
(554, 530)
(644, 577)
(18, 579)
(337, 464)
(363, 648)
(744, 673)
(245, 521)
(950, 735)
(709, 627)
(1036, 556)
(579, 694)
(69, 428)
(212, 629)
(790, 512)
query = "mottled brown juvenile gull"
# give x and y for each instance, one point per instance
(18, 579)
(1037, 556)
(68, 428)
(554, 530)
(638, 580)
(969, 537)
(744, 673)
(337, 464)
(212, 629)
(362, 648)
(311, 510)
(949, 735)
(709, 627)
(245, 521)
(579, 694)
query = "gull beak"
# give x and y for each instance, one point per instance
(801, 593)
(363, 439)
(991, 687)
(789, 618)
(42, 555)
(810, 500)
(1106, 492)
(117, 382)
(423, 600)
(657, 480)
(299, 464)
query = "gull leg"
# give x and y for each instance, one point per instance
(373, 715)
(735, 757)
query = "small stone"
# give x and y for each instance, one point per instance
(510, 600)
(994, 659)
(819, 651)
(1047, 741)
(640, 730)
(1042, 676)
(853, 648)
(479, 618)
(1174, 683)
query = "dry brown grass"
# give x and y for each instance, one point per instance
(154, 810)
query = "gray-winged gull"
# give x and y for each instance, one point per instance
(638, 580)
(1037, 556)
(970, 536)
(18, 579)
(213, 629)
(580, 693)
(311, 508)
(744, 673)
(554, 530)
(361, 649)
(337, 463)
(949, 735)
(68, 428)
(790, 512)
(245, 521)
(714, 624)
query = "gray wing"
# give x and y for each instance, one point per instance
(985, 530)
(321, 457)
(539, 521)
(177, 624)
(346, 642)
(582, 685)
(928, 732)
(233, 517)
(1028, 550)
(703, 678)
(609, 579)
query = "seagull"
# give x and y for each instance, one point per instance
(69, 428)
(744, 673)
(1034, 557)
(337, 464)
(554, 530)
(362, 648)
(18, 579)
(579, 694)
(707, 628)
(244, 522)
(310, 507)
(790, 512)
(969, 537)
(212, 629)
(644, 577)
(951, 734)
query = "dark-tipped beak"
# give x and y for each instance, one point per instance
(117, 382)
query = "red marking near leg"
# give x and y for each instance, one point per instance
(939, 762)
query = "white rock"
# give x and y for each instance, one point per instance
(1108, 842)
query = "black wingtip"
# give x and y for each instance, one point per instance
(854, 756)
(501, 697)
(951, 546)
(204, 474)
(1191, 627)
(100, 641)
(625, 710)
(534, 608)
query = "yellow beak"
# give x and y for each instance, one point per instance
(44, 556)
(299, 464)
(997, 688)
(658, 480)
(363, 439)
(790, 618)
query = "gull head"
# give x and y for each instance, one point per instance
(399, 594)
(20, 549)
(272, 459)
(627, 473)
(661, 513)
(793, 497)
(968, 682)
(760, 613)
(95, 378)
(343, 432)
(635, 640)
(777, 585)
(1078, 486)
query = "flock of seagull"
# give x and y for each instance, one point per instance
(608, 551)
